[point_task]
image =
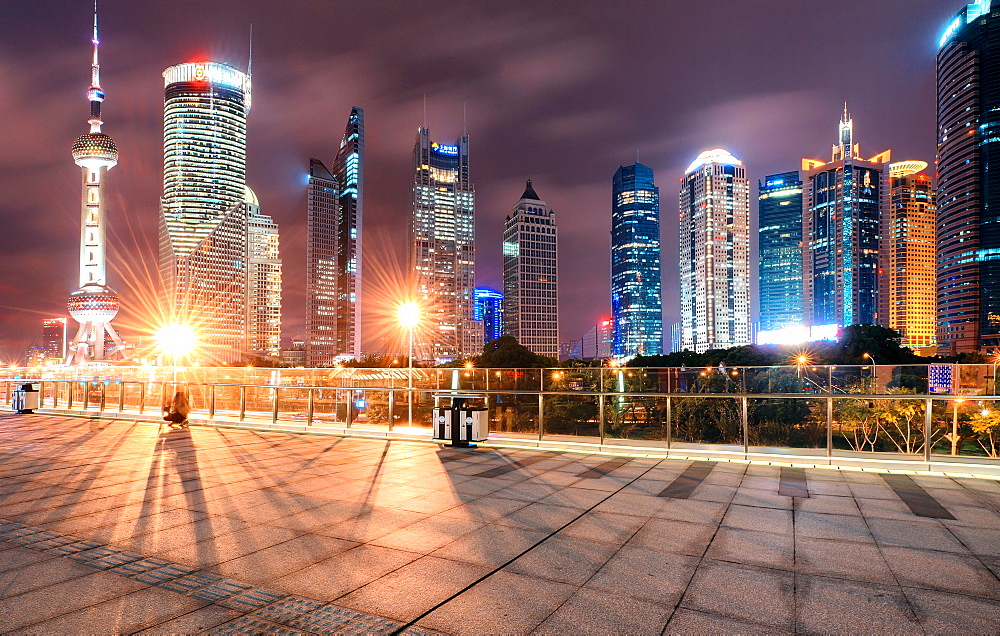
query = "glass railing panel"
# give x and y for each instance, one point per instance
(514, 414)
(635, 417)
(786, 422)
(293, 405)
(880, 425)
(259, 404)
(706, 420)
(571, 415)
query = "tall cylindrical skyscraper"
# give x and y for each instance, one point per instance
(968, 224)
(715, 253)
(207, 210)
(95, 304)
(636, 304)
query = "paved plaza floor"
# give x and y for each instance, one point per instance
(123, 527)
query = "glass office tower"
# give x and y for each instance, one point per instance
(636, 303)
(968, 216)
(442, 249)
(488, 308)
(844, 202)
(322, 211)
(779, 209)
(714, 217)
(348, 169)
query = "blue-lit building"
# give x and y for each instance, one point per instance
(636, 304)
(487, 306)
(844, 203)
(968, 182)
(779, 209)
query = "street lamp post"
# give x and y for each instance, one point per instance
(872, 358)
(408, 315)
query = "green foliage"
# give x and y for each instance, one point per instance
(985, 426)
(506, 353)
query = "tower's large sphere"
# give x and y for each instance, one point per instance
(93, 303)
(95, 149)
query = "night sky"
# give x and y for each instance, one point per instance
(558, 92)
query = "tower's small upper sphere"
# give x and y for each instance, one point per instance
(717, 155)
(93, 303)
(95, 150)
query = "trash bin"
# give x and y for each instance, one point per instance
(25, 399)
(458, 423)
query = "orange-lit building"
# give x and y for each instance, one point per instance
(908, 259)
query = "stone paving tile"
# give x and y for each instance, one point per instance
(345, 572)
(409, 591)
(491, 545)
(759, 519)
(279, 560)
(541, 517)
(229, 546)
(517, 603)
(761, 499)
(594, 612)
(834, 606)
(604, 526)
(657, 577)
(925, 534)
(766, 549)
(678, 537)
(840, 559)
(429, 534)
(565, 559)
(943, 613)
(685, 621)
(828, 504)
(980, 541)
(371, 525)
(743, 592)
(26, 609)
(125, 614)
(691, 510)
(838, 527)
(942, 571)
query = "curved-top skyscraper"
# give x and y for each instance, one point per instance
(968, 197)
(218, 254)
(95, 304)
(636, 304)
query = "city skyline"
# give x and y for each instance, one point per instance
(285, 75)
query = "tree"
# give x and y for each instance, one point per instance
(507, 353)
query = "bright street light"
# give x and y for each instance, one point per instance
(175, 340)
(408, 315)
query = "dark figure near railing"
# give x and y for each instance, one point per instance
(176, 411)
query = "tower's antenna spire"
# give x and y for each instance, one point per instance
(95, 94)
(846, 116)
(465, 131)
(425, 112)
(250, 58)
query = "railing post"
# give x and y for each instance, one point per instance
(104, 396)
(86, 396)
(211, 401)
(600, 421)
(928, 406)
(121, 396)
(142, 397)
(69, 396)
(541, 416)
(243, 402)
(311, 406)
(669, 423)
(392, 408)
(350, 408)
(274, 406)
(746, 428)
(829, 429)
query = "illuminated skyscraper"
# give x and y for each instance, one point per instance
(207, 254)
(488, 307)
(908, 255)
(94, 305)
(779, 207)
(968, 196)
(263, 282)
(715, 253)
(322, 200)
(530, 279)
(348, 169)
(442, 248)
(54, 338)
(844, 203)
(636, 303)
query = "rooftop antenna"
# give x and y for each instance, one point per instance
(465, 132)
(425, 111)
(250, 60)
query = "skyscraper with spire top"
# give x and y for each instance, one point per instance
(95, 304)
(844, 203)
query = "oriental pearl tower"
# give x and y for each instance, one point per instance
(95, 304)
